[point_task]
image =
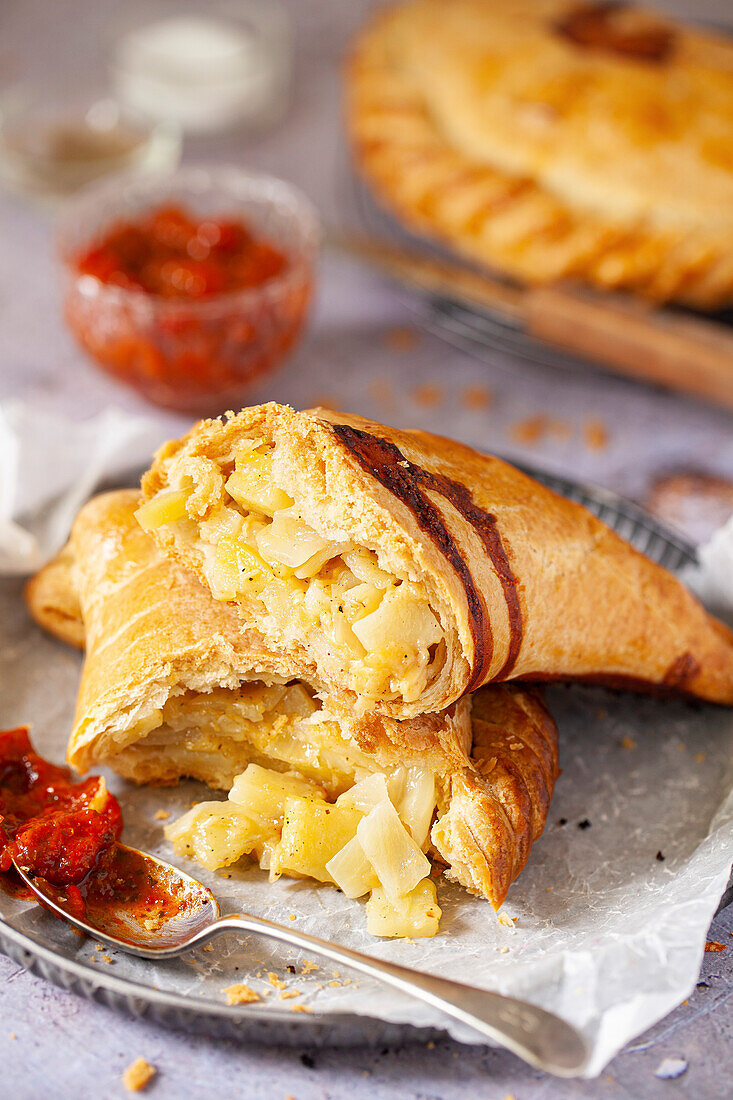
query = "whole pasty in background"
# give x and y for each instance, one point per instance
(175, 685)
(398, 570)
(554, 139)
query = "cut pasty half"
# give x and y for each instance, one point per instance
(399, 570)
(173, 685)
(554, 139)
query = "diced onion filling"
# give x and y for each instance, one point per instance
(360, 842)
(364, 625)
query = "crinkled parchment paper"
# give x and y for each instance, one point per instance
(609, 917)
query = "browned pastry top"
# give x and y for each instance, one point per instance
(554, 138)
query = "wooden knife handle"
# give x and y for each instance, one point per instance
(686, 353)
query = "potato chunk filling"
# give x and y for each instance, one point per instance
(372, 630)
(370, 840)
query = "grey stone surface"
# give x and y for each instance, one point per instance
(54, 1043)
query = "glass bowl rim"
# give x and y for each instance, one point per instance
(212, 175)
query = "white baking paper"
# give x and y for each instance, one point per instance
(609, 918)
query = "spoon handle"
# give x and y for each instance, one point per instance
(543, 1040)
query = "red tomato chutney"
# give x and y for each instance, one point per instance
(65, 832)
(188, 311)
(55, 828)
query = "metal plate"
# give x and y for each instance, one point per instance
(19, 940)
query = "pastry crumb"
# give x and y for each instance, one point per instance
(477, 397)
(162, 815)
(137, 1075)
(301, 1008)
(401, 338)
(288, 994)
(275, 982)
(430, 1045)
(381, 391)
(292, 916)
(595, 434)
(699, 757)
(208, 947)
(534, 429)
(428, 395)
(715, 945)
(240, 994)
(628, 743)
(530, 430)
(308, 967)
(13, 1035)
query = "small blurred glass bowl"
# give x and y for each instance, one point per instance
(52, 146)
(197, 356)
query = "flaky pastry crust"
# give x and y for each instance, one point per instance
(526, 584)
(154, 635)
(52, 600)
(554, 139)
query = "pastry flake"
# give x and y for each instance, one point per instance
(138, 1075)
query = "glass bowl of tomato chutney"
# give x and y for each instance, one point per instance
(189, 287)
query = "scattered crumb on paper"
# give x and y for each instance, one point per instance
(595, 434)
(401, 338)
(476, 397)
(428, 395)
(533, 429)
(137, 1075)
(381, 391)
(240, 994)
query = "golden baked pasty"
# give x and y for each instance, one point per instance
(554, 139)
(399, 570)
(52, 600)
(175, 685)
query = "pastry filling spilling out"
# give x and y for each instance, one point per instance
(371, 840)
(305, 799)
(372, 629)
(213, 735)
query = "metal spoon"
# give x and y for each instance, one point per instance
(543, 1040)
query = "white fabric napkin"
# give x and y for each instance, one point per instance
(49, 465)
